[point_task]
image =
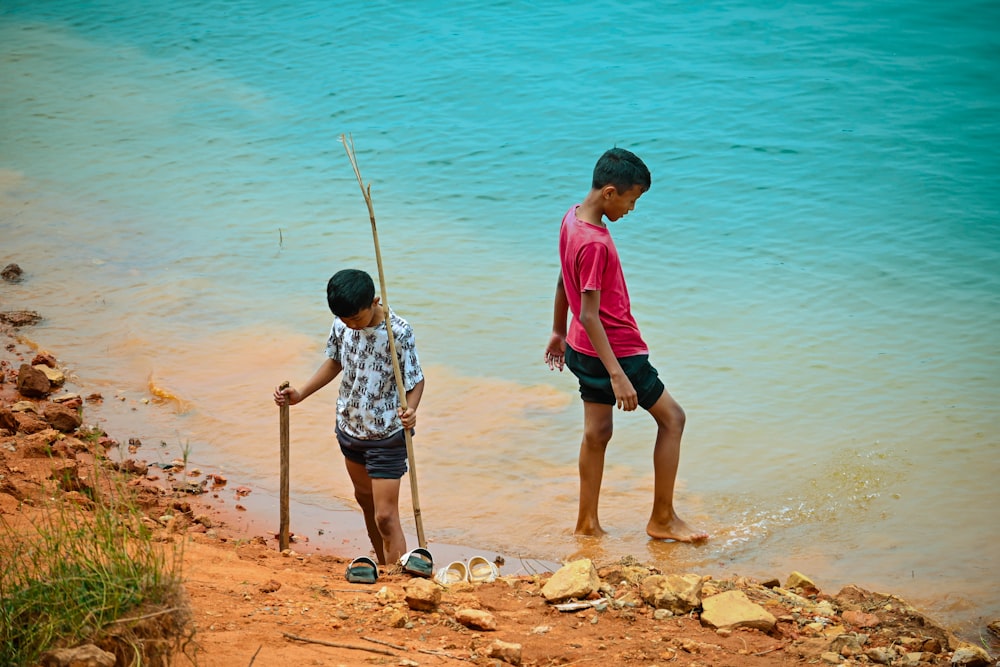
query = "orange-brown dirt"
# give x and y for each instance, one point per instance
(252, 605)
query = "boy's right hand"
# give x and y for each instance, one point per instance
(626, 397)
(283, 394)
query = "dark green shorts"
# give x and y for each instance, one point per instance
(595, 383)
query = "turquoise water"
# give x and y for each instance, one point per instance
(816, 267)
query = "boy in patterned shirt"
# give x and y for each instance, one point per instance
(370, 421)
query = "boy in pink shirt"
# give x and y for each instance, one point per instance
(604, 349)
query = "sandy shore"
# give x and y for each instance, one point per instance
(251, 604)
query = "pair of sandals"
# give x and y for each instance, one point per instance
(364, 570)
(478, 570)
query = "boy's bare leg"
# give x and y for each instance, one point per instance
(597, 429)
(664, 524)
(366, 499)
(386, 492)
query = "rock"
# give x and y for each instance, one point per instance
(68, 476)
(679, 593)
(733, 609)
(32, 382)
(8, 422)
(44, 359)
(633, 574)
(506, 651)
(573, 580)
(393, 617)
(860, 619)
(882, 655)
(20, 318)
(932, 645)
(994, 627)
(422, 594)
(477, 619)
(970, 655)
(799, 580)
(133, 467)
(270, 587)
(831, 658)
(62, 418)
(56, 377)
(45, 444)
(849, 645)
(12, 273)
(87, 655)
(30, 422)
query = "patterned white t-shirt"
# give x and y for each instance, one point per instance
(367, 403)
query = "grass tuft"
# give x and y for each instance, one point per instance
(70, 574)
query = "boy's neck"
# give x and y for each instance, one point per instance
(591, 210)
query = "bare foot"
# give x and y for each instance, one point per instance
(676, 530)
(589, 529)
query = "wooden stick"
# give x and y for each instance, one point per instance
(353, 647)
(400, 387)
(441, 654)
(283, 522)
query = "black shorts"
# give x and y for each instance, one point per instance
(595, 383)
(383, 459)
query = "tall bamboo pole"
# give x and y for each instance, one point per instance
(400, 387)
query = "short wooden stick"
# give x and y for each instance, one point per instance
(283, 536)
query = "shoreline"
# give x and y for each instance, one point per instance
(228, 529)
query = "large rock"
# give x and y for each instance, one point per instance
(680, 593)
(422, 594)
(574, 580)
(733, 609)
(32, 382)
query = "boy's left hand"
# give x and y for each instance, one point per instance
(408, 417)
(555, 352)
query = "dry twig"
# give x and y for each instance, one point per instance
(339, 645)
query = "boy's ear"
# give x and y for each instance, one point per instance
(608, 191)
(376, 301)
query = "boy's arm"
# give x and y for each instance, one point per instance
(328, 370)
(590, 305)
(555, 351)
(409, 416)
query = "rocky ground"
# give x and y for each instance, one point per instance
(250, 604)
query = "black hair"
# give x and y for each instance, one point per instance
(349, 291)
(622, 169)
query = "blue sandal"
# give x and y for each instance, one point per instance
(418, 562)
(362, 570)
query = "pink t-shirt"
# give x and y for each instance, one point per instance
(590, 262)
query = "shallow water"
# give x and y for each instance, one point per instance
(816, 267)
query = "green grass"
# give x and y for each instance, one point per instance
(74, 572)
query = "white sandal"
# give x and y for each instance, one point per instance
(452, 574)
(482, 570)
